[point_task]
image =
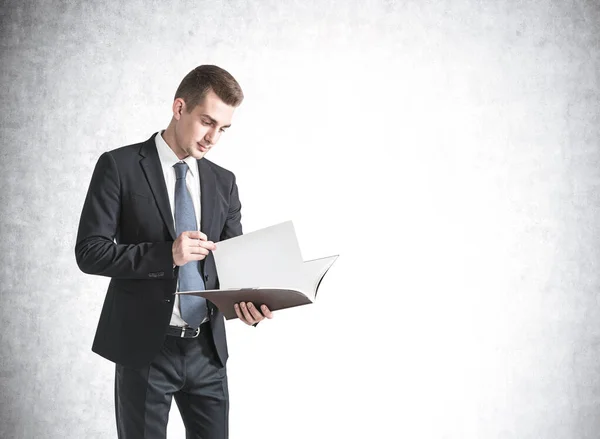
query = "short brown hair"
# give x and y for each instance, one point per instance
(203, 78)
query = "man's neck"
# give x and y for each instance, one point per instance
(169, 137)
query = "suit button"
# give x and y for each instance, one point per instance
(167, 300)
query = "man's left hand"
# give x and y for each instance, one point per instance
(250, 315)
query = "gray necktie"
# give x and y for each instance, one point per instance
(193, 309)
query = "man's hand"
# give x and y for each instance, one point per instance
(191, 246)
(249, 314)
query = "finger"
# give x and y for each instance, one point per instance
(266, 311)
(194, 244)
(209, 245)
(247, 316)
(190, 234)
(240, 314)
(197, 250)
(196, 234)
(254, 312)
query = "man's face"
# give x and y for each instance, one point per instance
(196, 132)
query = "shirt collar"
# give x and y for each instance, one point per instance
(169, 158)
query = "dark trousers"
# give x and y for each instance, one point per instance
(187, 368)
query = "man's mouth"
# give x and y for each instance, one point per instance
(202, 148)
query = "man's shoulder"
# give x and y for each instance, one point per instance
(133, 149)
(218, 170)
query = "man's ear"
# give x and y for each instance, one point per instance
(178, 108)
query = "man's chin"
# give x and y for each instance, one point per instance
(197, 154)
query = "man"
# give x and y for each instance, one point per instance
(152, 215)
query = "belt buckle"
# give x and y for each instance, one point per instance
(196, 332)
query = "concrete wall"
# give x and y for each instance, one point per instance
(447, 150)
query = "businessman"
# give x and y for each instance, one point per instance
(153, 213)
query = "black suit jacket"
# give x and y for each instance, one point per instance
(126, 232)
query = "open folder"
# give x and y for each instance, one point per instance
(265, 267)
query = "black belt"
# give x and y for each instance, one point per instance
(186, 332)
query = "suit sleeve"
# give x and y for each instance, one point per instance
(233, 223)
(96, 251)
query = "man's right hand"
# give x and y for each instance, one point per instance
(191, 246)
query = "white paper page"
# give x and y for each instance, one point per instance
(312, 271)
(268, 257)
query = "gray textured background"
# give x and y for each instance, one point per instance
(449, 151)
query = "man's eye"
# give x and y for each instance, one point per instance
(222, 130)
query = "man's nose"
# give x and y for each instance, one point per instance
(212, 136)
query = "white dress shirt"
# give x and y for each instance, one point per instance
(192, 179)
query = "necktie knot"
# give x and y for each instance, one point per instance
(181, 169)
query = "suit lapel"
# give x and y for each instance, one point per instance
(154, 174)
(208, 198)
